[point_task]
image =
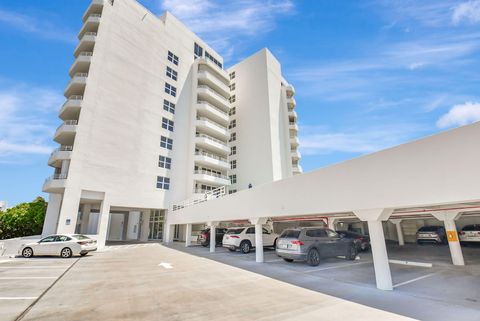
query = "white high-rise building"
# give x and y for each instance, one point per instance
(152, 120)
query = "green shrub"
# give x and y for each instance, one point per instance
(23, 220)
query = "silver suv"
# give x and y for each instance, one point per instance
(311, 244)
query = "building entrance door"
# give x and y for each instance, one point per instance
(115, 231)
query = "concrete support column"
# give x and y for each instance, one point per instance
(103, 223)
(374, 218)
(86, 209)
(67, 219)
(213, 235)
(448, 218)
(398, 225)
(145, 230)
(258, 222)
(168, 235)
(51, 217)
(188, 235)
(332, 223)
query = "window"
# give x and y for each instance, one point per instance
(232, 111)
(163, 182)
(167, 124)
(173, 58)
(232, 99)
(233, 150)
(169, 89)
(232, 75)
(316, 233)
(62, 238)
(232, 124)
(250, 230)
(198, 51)
(233, 137)
(232, 87)
(231, 191)
(48, 239)
(331, 233)
(215, 61)
(171, 73)
(233, 164)
(164, 162)
(166, 142)
(233, 179)
(169, 106)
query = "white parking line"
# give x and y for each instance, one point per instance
(421, 264)
(335, 267)
(5, 261)
(18, 297)
(35, 267)
(413, 280)
(276, 260)
(27, 277)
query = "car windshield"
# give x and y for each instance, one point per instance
(294, 234)
(475, 227)
(80, 237)
(235, 230)
(429, 229)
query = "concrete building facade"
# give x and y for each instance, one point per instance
(153, 119)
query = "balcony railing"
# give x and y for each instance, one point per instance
(203, 172)
(95, 15)
(214, 107)
(202, 153)
(90, 33)
(214, 93)
(75, 97)
(209, 195)
(86, 53)
(80, 74)
(57, 176)
(63, 148)
(212, 139)
(212, 123)
(68, 122)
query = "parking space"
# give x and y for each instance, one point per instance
(420, 291)
(22, 281)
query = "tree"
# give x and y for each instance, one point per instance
(23, 220)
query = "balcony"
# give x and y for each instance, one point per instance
(81, 63)
(208, 177)
(291, 103)
(295, 154)
(293, 126)
(290, 91)
(86, 44)
(65, 133)
(205, 93)
(90, 24)
(292, 114)
(55, 183)
(211, 160)
(297, 169)
(95, 7)
(212, 128)
(207, 78)
(60, 154)
(77, 84)
(202, 62)
(71, 108)
(215, 145)
(206, 109)
(294, 141)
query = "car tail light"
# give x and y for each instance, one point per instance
(234, 236)
(297, 242)
(82, 242)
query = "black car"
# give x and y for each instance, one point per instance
(362, 242)
(204, 237)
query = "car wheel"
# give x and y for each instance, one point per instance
(83, 254)
(352, 253)
(275, 244)
(27, 252)
(245, 247)
(288, 260)
(205, 244)
(313, 257)
(66, 253)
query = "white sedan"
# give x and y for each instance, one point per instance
(64, 245)
(243, 238)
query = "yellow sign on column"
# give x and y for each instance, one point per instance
(452, 236)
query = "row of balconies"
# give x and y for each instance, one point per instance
(211, 160)
(205, 93)
(212, 128)
(210, 178)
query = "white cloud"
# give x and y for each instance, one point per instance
(460, 115)
(318, 141)
(221, 23)
(43, 28)
(467, 12)
(26, 115)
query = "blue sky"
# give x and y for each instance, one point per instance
(368, 74)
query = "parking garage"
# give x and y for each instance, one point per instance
(388, 194)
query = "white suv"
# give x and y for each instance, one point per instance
(243, 238)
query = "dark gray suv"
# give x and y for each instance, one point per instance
(311, 244)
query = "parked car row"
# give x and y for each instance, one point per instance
(437, 234)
